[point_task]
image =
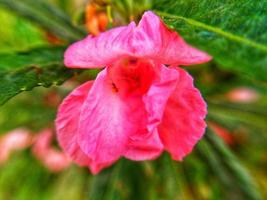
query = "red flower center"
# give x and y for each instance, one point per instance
(132, 75)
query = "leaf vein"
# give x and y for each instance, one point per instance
(216, 30)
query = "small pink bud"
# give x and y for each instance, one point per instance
(14, 140)
(243, 95)
(51, 158)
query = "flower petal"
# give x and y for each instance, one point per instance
(99, 51)
(42, 143)
(50, 157)
(149, 146)
(107, 121)
(183, 120)
(154, 40)
(67, 123)
(145, 146)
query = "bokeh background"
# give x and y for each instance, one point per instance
(230, 162)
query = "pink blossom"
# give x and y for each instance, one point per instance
(51, 158)
(17, 139)
(243, 95)
(137, 107)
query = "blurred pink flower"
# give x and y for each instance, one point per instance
(222, 132)
(136, 107)
(243, 95)
(17, 139)
(51, 158)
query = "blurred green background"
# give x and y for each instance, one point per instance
(230, 162)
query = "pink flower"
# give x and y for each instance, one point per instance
(17, 139)
(243, 95)
(52, 159)
(137, 107)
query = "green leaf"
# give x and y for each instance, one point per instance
(173, 179)
(18, 34)
(35, 57)
(103, 185)
(47, 16)
(25, 174)
(242, 178)
(26, 70)
(233, 32)
(251, 115)
(29, 110)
